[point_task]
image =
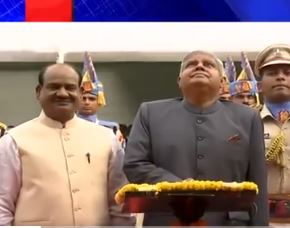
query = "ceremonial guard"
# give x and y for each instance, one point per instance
(273, 66)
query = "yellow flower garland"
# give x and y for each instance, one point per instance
(275, 151)
(187, 185)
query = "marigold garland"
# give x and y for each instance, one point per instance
(275, 151)
(187, 185)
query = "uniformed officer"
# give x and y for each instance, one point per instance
(273, 66)
(243, 89)
(93, 98)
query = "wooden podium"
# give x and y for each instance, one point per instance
(188, 206)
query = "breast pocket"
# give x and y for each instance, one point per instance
(238, 152)
(98, 167)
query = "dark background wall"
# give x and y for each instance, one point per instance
(126, 85)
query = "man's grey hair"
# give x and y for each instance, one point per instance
(189, 55)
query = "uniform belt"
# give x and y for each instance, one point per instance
(279, 196)
(279, 210)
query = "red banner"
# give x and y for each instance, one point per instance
(48, 10)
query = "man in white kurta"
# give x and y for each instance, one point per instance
(58, 169)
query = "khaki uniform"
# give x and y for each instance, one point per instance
(278, 173)
(278, 176)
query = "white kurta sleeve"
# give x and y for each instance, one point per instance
(10, 179)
